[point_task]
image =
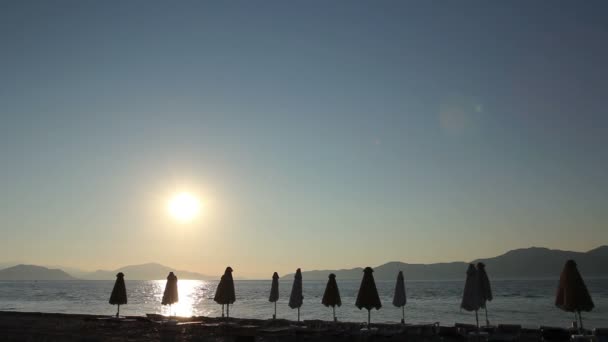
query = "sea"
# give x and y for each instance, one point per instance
(526, 302)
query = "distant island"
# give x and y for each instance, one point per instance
(32, 272)
(149, 271)
(534, 262)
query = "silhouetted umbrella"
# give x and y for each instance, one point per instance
(572, 293)
(368, 294)
(296, 298)
(399, 299)
(119, 292)
(485, 290)
(170, 296)
(225, 291)
(218, 292)
(331, 297)
(274, 293)
(470, 297)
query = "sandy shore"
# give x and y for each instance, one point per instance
(22, 326)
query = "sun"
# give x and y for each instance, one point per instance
(184, 207)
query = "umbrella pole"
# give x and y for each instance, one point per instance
(298, 313)
(118, 312)
(222, 310)
(334, 309)
(487, 320)
(477, 320)
(403, 314)
(580, 318)
(228, 310)
(275, 311)
(369, 317)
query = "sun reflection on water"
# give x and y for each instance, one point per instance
(191, 296)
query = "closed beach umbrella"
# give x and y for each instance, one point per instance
(485, 290)
(368, 297)
(399, 299)
(331, 297)
(119, 292)
(470, 297)
(296, 298)
(170, 296)
(572, 293)
(218, 292)
(225, 291)
(274, 293)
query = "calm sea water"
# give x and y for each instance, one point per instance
(526, 302)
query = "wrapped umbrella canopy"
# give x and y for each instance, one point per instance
(225, 289)
(368, 293)
(572, 293)
(170, 296)
(224, 294)
(485, 290)
(470, 297)
(274, 293)
(296, 298)
(399, 298)
(119, 292)
(274, 289)
(483, 283)
(331, 297)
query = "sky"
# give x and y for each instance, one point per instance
(316, 134)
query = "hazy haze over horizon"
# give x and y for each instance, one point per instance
(74, 271)
(316, 134)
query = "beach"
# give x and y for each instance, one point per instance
(31, 326)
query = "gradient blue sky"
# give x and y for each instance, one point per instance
(319, 134)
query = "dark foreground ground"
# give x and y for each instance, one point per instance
(20, 326)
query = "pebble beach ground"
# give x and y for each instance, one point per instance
(24, 326)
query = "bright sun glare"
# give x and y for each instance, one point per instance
(184, 207)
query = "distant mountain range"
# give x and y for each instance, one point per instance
(149, 271)
(32, 272)
(531, 262)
